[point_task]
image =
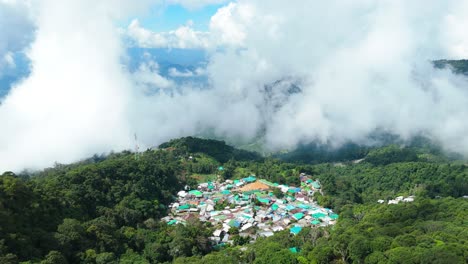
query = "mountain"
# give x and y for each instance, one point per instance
(457, 66)
(218, 150)
(107, 209)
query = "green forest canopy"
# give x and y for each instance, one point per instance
(107, 209)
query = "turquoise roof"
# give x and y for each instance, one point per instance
(250, 179)
(196, 192)
(334, 216)
(274, 207)
(183, 207)
(263, 200)
(295, 230)
(315, 222)
(298, 216)
(294, 250)
(318, 215)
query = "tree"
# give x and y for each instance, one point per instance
(54, 257)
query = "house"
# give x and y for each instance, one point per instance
(298, 216)
(408, 200)
(246, 226)
(196, 193)
(295, 230)
(217, 233)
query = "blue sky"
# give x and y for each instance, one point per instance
(173, 16)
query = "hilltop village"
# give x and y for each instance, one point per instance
(252, 207)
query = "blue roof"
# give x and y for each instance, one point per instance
(294, 190)
(234, 223)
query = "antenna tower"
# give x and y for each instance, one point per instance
(137, 148)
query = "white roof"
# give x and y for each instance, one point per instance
(246, 226)
(217, 233)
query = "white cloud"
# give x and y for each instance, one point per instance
(228, 24)
(8, 60)
(226, 29)
(148, 76)
(357, 63)
(75, 101)
(360, 65)
(195, 4)
(173, 72)
(184, 37)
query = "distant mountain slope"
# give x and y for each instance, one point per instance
(458, 66)
(387, 149)
(219, 150)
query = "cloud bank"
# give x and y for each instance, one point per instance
(290, 72)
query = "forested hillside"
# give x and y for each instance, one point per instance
(107, 209)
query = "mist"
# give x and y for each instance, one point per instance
(289, 73)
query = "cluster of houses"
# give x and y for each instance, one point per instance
(398, 200)
(255, 207)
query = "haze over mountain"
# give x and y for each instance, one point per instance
(290, 73)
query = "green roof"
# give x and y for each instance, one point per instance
(295, 230)
(318, 215)
(234, 223)
(315, 222)
(172, 222)
(316, 185)
(220, 217)
(220, 168)
(267, 182)
(236, 181)
(298, 216)
(263, 200)
(226, 192)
